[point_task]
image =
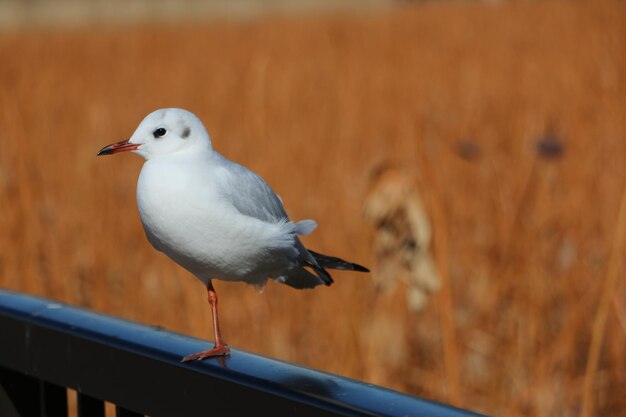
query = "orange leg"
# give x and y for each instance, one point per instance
(220, 348)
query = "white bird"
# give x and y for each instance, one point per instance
(216, 218)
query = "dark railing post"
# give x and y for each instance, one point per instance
(54, 400)
(89, 406)
(20, 395)
(123, 412)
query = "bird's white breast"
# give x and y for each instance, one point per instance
(184, 217)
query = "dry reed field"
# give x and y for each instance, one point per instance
(506, 121)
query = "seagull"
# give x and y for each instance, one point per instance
(216, 218)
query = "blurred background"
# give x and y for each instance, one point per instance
(472, 154)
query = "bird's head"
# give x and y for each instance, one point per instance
(164, 132)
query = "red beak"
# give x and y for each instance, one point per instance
(121, 146)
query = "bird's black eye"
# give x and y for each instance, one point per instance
(159, 132)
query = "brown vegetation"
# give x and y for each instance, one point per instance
(511, 117)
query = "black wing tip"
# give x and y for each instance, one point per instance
(332, 262)
(359, 268)
(324, 276)
(321, 273)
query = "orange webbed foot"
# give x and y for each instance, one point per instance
(217, 351)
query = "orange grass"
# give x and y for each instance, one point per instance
(314, 105)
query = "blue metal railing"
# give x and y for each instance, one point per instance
(47, 347)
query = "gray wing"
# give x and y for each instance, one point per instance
(251, 196)
(249, 193)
